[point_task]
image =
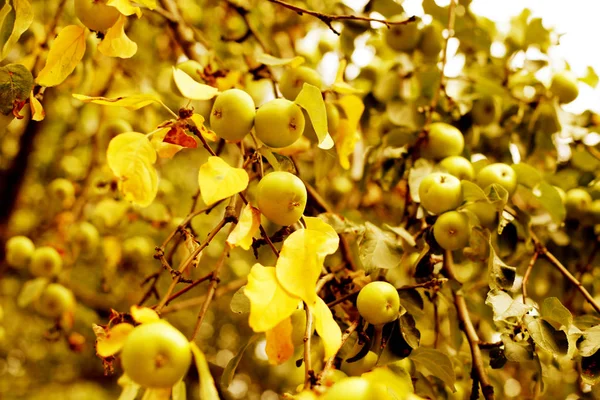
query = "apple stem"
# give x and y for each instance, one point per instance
(468, 328)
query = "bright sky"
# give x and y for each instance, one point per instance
(576, 20)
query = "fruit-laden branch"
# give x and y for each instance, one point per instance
(467, 326)
(543, 251)
(327, 19)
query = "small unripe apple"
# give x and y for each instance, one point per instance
(440, 192)
(281, 197)
(19, 250)
(451, 230)
(578, 202)
(293, 79)
(564, 86)
(95, 14)
(279, 123)
(232, 115)
(432, 40)
(63, 191)
(443, 140)
(378, 303)
(156, 355)
(45, 262)
(55, 300)
(500, 174)
(361, 366)
(485, 110)
(87, 237)
(356, 388)
(402, 37)
(459, 166)
(138, 248)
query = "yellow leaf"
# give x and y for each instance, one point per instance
(348, 134)
(125, 7)
(208, 391)
(143, 315)
(245, 229)
(268, 59)
(269, 302)
(398, 382)
(218, 180)
(198, 120)
(191, 89)
(305, 395)
(134, 102)
(129, 144)
(344, 88)
(179, 392)
(23, 17)
(157, 394)
(151, 4)
(164, 150)
(302, 256)
(279, 342)
(116, 43)
(113, 342)
(228, 81)
(311, 99)
(130, 388)
(37, 111)
(65, 53)
(326, 327)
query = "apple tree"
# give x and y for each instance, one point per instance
(262, 199)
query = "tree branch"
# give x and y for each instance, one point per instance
(467, 327)
(527, 274)
(327, 19)
(182, 33)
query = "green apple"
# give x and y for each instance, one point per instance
(440, 192)
(279, 123)
(378, 303)
(451, 230)
(458, 166)
(138, 248)
(443, 141)
(500, 174)
(55, 300)
(402, 37)
(95, 14)
(45, 262)
(63, 191)
(232, 115)
(293, 79)
(19, 250)
(281, 197)
(485, 110)
(432, 40)
(156, 355)
(356, 388)
(577, 202)
(564, 86)
(87, 237)
(361, 366)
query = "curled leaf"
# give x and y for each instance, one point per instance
(143, 315)
(116, 43)
(114, 340)
(133, 102)
(247, 226)
(191, 89)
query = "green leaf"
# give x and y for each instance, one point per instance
(505, 308)
(527, 175)
(516, 351)
(16, 82)
(591, 341)
(179, 392)
(472, 192)
(311, 100)
(403, 233)
(387, 8)
(437, 364)
(545, 336)
(501, 276)
(31, 291)
(23, 17)
(232, 365)
(378, 249)
(550, 199)
(552, 309)
(536, 34)
(408, 328)
(591, 78)
(240, 304)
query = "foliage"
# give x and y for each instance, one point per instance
(109, 163)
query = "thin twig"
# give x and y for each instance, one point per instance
(189, 287)
(221, 290)
(527, 274)
(327, 19)
(563, 270)
(467, 326)
(308, 371)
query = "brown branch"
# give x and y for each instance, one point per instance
(221, 290)
(527, 274)
(327, 19)
(190, 286)
(467, 327)
(542, 250)
(309, 374)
